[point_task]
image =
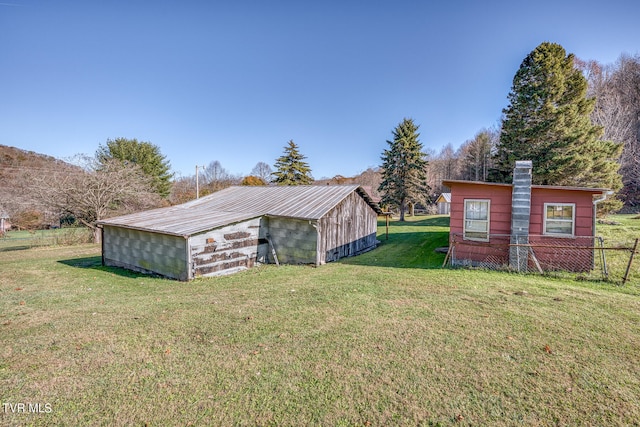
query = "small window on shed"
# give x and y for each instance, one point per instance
(476, 220)
(559, 219)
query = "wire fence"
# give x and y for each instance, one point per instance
(17, 240)
(586, 258)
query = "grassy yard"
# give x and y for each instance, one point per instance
(386, 338)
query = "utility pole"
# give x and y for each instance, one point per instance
(197, 183)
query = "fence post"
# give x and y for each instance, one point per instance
(633, 252)
(446, 257)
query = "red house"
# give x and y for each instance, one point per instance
(523, 226)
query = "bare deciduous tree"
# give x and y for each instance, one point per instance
(215, 178)
(475, 155)
(617, 92)
(183, 190)
(262, 170)
(97, 192)
(444, 165)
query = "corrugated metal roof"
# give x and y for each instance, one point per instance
(236, 204)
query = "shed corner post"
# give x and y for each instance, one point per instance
(190, 269)
(320, 252)
(102, 244)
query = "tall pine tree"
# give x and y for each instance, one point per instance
(291, 169)
(404, 168)
(548, 121)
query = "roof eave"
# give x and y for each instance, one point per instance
(448, 183)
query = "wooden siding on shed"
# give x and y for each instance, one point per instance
(230, 231)
(444, 208)
(145, 252)
(348, 229)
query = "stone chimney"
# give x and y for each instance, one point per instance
(520, 215)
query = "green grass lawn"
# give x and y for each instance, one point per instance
(385, 338)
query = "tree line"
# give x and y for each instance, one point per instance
(578, 121)
(291, 169)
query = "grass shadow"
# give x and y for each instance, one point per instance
(95, 263)
(410, 244)
(14, 248)
(419, 220)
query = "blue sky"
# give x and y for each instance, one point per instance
(234, 81)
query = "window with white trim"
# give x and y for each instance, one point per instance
(476, 219)
(559, 219)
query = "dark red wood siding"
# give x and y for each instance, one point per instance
(496, 250)
(582, 199)
(499, 217)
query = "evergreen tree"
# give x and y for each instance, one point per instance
(143, 154)
(548, 121)
(291, 169)
(404, 168)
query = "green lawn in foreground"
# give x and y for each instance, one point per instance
(386, 338)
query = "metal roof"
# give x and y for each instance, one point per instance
(235, 204)
(448, 183)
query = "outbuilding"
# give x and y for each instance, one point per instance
(5, 225)
(523, 226)
(444, 204)
(235, 228)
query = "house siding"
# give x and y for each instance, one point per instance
(582, 200)
(500, 223)
(493, 252)
(573, 260)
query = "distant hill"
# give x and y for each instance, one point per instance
(15, 167)
(369, 179)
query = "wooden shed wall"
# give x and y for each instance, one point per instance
(444, 208)
(146, 252)
(228, 249)
(348, 229)
(295, 240)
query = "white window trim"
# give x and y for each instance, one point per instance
(573, 220)
(464, 220)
